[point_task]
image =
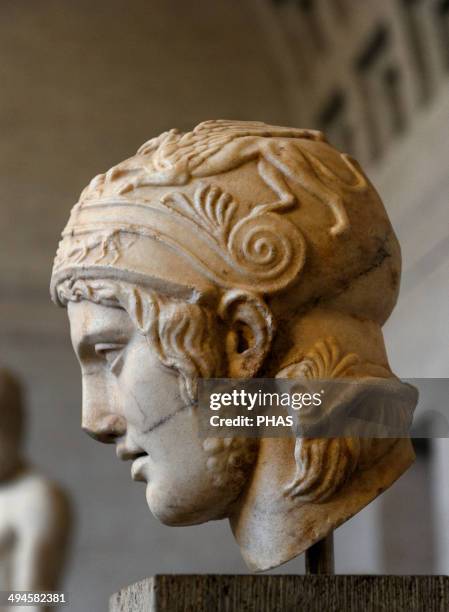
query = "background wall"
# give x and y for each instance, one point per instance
(83, 85)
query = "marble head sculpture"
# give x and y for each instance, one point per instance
(239, 249)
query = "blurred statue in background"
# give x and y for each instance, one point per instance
(236, 250)
(34, 513)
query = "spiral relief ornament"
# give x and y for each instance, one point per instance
(233, 237)
(262, 247)
(266, 248)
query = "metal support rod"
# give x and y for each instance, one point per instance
(320, 556)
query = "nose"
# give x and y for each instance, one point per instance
(105, 428)
(100, 420)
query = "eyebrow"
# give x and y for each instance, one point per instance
(101, 332)
(95, 336)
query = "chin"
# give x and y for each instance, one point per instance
(170, 513)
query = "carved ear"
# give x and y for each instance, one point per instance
(250, 332)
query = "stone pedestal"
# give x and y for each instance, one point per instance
(249, 593)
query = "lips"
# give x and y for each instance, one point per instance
(138, 468)
(128, 451)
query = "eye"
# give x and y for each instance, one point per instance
(112, 353)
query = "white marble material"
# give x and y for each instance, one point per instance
(238, 249)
